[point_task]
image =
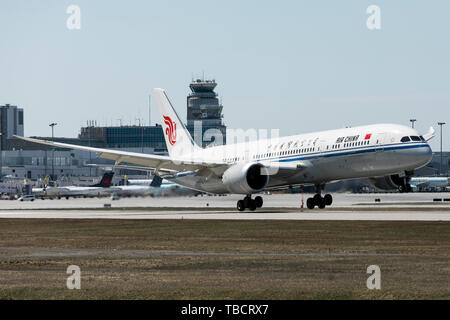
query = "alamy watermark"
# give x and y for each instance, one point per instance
(374, 20)
(374, 280)
(73, 22)
(74, 280)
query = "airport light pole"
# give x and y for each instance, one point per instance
(53, 124)
(440, 166)
(412, 122)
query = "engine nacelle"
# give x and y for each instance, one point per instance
(245, 178)
(393, 182)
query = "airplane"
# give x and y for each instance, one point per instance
(139, 187)
(75, 191)
(386, 153)
(429, 183)
(146, 187)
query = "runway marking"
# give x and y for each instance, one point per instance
(41, 252)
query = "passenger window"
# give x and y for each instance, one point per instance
(405, 139)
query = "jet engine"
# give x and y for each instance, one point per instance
(393, 182)
(245, 178)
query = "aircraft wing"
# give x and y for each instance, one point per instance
(130, 167)
(165, 163)
(150, 160)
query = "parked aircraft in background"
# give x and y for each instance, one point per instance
(429, 183)
(95, 190)
(144, 187)
(386, 153)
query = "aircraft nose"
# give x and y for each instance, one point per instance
(425, 154)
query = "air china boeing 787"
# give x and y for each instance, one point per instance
(386, 154)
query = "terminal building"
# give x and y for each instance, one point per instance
(148, 139)
(11, 123)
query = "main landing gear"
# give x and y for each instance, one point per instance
(249, 203)
(405, 183)
(318, 200)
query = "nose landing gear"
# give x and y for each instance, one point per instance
(249, 203)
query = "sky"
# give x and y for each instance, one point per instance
(297, 66)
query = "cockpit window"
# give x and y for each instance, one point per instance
(422, 138)
(405, 139)
(415, 138)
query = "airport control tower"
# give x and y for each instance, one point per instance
(204, 114)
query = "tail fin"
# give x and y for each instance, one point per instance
(106, 180)
(156, 182)
(178, 140)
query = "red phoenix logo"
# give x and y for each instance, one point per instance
(171, 130)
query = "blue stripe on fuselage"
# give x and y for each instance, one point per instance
(345, 152)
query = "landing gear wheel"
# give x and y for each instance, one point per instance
(259, 201)
(322, 204)
(408, 188)
(328, 199)
(317, 199)
(240, 205)
(310, 203)
(252, 205)
(247, 201)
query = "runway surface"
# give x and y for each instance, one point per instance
(346, 206)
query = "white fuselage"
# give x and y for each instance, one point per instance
(139, 188)
(321, 157)
(430, 182)
(70, 191)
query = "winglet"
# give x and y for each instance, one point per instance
(430, 134)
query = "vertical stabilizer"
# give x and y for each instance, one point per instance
(106, 180)
(156, 182)
(178, 140)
